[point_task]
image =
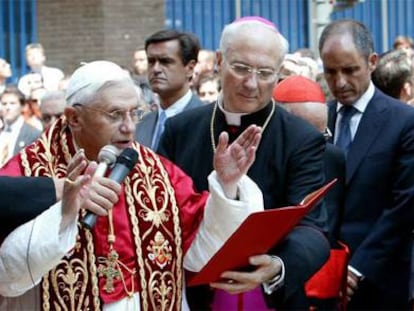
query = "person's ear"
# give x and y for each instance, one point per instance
(72, 117)
(219, 60)
(190, 68)
(372, 61)
(406, 92)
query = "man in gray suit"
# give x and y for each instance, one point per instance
(172, 56)
(17, 133)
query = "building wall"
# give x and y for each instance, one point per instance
(82, 30)
(73, 31)
(294, 18)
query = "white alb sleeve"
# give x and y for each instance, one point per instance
(33, 249)
(222, 216)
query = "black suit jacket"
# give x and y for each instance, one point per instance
(288, 166)
(379, 204)
(22, 199)
(146, 127)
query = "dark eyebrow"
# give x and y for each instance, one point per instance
(161, 59)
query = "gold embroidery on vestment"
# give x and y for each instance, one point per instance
(68, 281)
(157, 211)
(160, 250)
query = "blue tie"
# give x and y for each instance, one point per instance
(159, 130)
(345, 137)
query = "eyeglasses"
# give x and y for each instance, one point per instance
(264, 74)
(118, 116)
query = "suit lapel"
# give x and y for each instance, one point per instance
(332, 119)
(147, 128)
(194, 102)
(368, 130)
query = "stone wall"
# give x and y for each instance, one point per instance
(73, 31)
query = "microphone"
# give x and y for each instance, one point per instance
(106, 157)
(123, 165)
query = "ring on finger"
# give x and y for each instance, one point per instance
(69, 181)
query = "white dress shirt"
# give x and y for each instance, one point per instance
(360, 105)
(9, 137)
(171, 111)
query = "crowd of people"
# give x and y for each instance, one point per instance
(217, 136)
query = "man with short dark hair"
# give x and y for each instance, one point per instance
(18, 132)
(376, 133)
(172, 56)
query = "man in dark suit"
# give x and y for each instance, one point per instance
(288, 162)
(376, 133)
(172, 56)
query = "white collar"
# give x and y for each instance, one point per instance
(232, 118)
(362, 103)
(178, 106)
(16, 125)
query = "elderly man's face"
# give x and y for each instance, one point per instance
(51, 110)
(246, 71)
(110, 119)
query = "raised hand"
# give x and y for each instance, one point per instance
(233, 161)
(97, 194)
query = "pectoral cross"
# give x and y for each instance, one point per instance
(109, 269)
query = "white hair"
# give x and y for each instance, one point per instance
(90, 78)
(234, 30)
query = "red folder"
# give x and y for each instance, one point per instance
(258, 233)
(330, 281)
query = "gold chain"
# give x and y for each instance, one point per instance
(111, 267)
(213, 116)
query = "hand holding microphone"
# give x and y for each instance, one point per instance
(123, 165)
(106, 157)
